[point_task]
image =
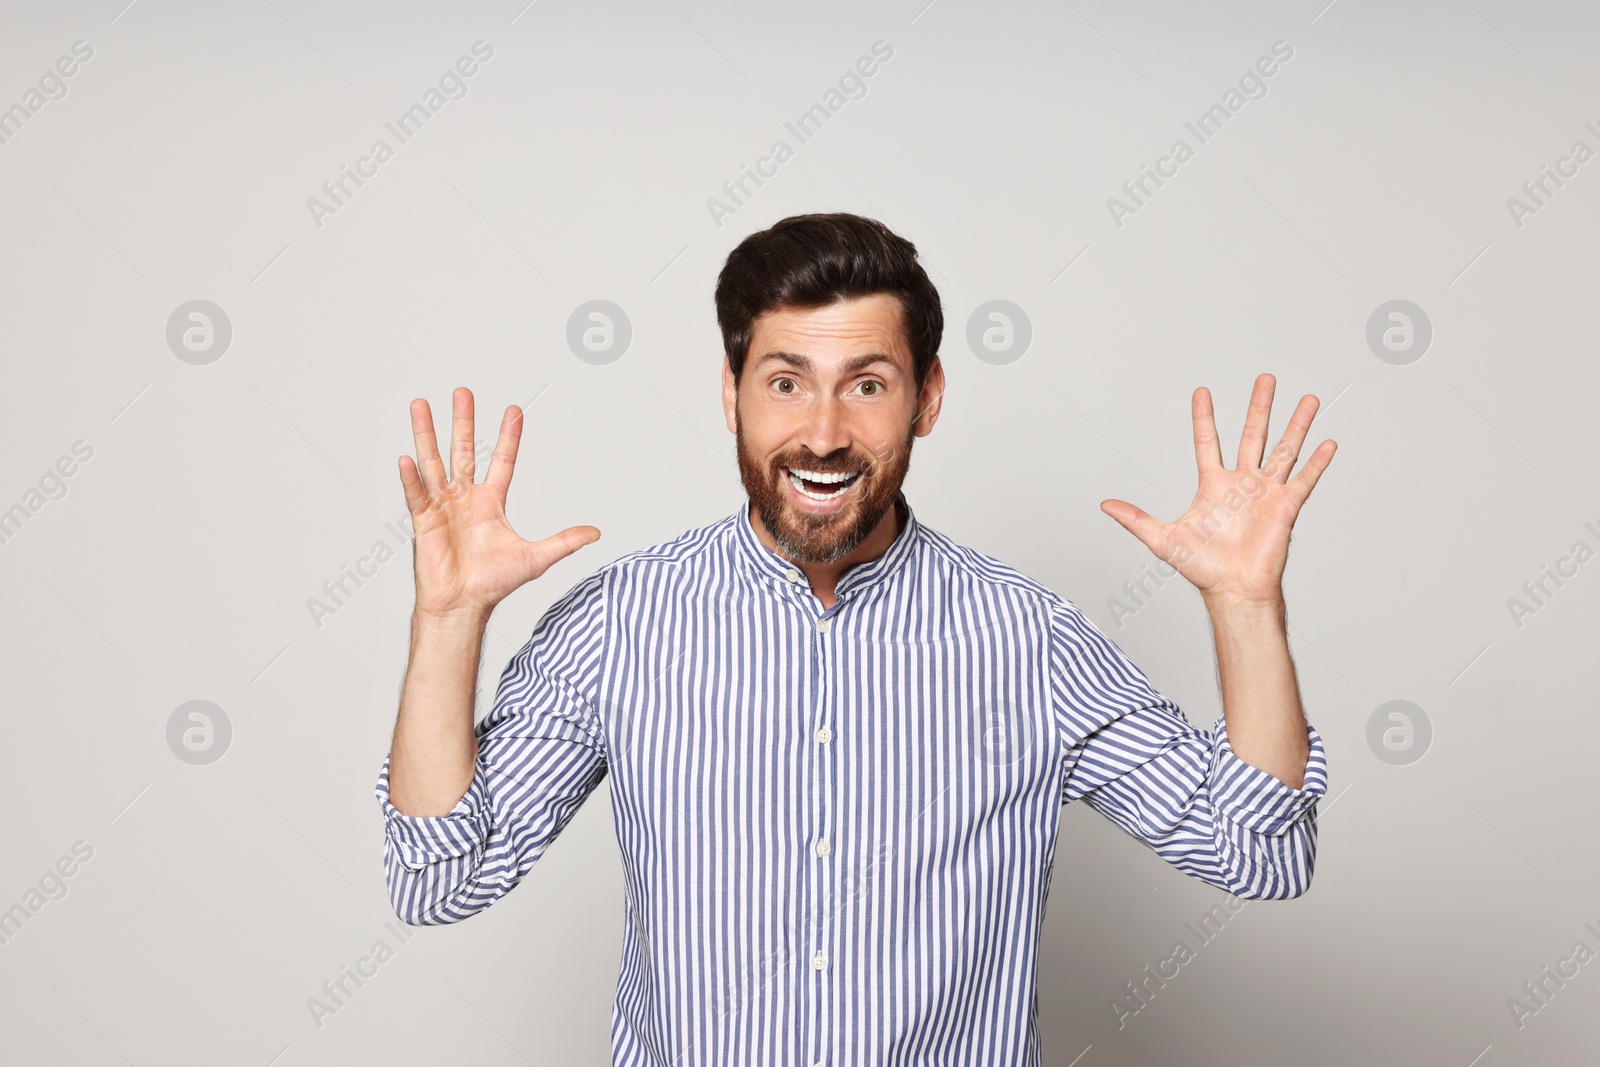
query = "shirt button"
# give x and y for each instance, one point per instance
(823, 848)
(792, 574)
(819, 961)
(823, 735)
(823, 624)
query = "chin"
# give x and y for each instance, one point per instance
(823, 537)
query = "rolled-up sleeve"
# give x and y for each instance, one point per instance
(541, 753)
(420, 841)
(1134, 757)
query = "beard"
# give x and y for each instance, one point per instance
(822, 539)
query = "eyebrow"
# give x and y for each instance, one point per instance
(850, 366)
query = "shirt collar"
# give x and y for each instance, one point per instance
(767, 565)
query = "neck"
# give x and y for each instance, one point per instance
(824, 577)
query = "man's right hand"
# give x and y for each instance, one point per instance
(466, 555)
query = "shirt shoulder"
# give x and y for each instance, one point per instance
(710, 545)
(1071, 636)
(579, 615)
(985, 575)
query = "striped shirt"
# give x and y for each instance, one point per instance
(837, 826)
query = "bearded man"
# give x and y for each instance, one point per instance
(838, 742)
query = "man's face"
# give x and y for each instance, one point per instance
(824, 413)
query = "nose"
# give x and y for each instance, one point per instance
(826, 429)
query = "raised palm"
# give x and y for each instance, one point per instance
(467, 557)
(1233, 542)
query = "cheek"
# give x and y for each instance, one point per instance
(763, 434)
(884, 435)
(772, 421)
(886, 451)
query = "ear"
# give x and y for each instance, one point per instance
(930, 399)
(730, 397)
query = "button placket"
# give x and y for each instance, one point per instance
(819, 864)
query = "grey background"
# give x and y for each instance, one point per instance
(179, 562)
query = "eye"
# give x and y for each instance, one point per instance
(784, 385)
(871, 388)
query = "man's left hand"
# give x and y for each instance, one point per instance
(1233, 541)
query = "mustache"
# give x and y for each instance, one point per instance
(820, 466)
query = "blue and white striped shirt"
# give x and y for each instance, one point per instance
(837, 827)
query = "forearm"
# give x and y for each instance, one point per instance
(1260, 693)
(434, 750)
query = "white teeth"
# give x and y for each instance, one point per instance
(821, 476)
(845, 481)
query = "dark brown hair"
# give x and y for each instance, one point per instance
(810, 261)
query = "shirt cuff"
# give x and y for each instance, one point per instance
(1256, 800)
(420, 840)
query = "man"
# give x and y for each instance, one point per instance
(838, 742)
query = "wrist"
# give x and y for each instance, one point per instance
(1245, 611)
(465, 622)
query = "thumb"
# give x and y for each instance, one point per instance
(542, 554)
(1136, 521)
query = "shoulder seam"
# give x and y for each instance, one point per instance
(971, 562)
(681, 549)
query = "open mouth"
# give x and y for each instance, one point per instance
(821, 485)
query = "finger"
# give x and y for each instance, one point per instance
(1283, 457)
(462, 467)
(541, 554)
(416, 495)
(1207, 454)
(504, 459)
(428, 461)
(1315, 464)
(1253, 441)
(1137, 522)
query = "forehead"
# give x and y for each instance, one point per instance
(845, 328)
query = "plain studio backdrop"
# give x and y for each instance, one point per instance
(1374, 221)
